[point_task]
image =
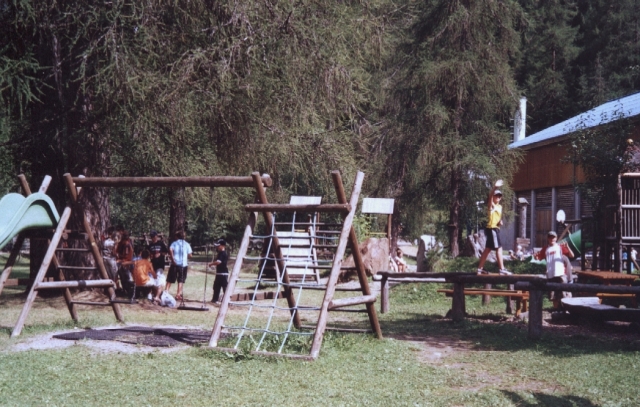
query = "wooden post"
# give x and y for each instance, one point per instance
(268, 219)
(617, 265)
(509, 300)
(384, 295)
(64, 218)
(486, 299)
(535, 314)
(337, 263)
(233, 278)
(355, 248)
(457, 303)
(97, 256)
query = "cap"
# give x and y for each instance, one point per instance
(552, 233)
(153, 233)
(497, 192)
(220, 242)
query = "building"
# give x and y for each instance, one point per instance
(546, 178)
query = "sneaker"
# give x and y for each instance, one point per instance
(482, 271)
(505, 272)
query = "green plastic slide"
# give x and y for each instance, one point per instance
(18, 213)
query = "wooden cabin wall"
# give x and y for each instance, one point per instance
(545, 167)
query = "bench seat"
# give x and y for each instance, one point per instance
(521, 297)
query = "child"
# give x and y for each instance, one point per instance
(556, 269)
(400, 262)
(145, 276)
(492, 231)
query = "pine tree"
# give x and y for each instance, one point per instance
(452, 104)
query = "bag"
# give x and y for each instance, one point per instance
(167, 300)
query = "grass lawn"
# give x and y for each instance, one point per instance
(424, 360)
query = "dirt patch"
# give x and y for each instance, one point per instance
(49, 342)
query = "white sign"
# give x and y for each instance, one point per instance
(378, 205)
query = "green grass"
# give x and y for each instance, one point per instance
(500, 366)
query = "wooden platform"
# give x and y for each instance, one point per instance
(590, 308)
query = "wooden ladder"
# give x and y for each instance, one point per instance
(50, 257)
(347, 237)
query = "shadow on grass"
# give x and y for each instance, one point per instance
(506, 337)
(542, 399)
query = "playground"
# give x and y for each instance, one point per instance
(160, 356)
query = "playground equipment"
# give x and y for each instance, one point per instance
(74, 189)
(284, 318)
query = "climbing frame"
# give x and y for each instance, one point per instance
(272, 323)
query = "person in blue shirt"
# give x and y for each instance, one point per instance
(180, 252)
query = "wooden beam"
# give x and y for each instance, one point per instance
(347, 302)
(64, 218)
(170, 182)
(353, 243)
(93, 245)
(325, 208)
(74, 284)
(585, 288)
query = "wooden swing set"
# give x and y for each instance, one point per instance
(343, 237)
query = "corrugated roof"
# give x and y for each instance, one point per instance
(627, 106)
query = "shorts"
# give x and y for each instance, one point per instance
(493, 238)
(162, 279)
(152, 282)
(177, 273)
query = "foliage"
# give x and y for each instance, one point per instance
(450, 103)
(470, 264)
(603, 153)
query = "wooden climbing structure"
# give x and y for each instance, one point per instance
(74, 187)
(273, 325)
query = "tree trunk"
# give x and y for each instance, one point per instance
(178, 213)
(454, 215)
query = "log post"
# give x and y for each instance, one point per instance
(486, 299)
(509, 301)
(457, 304)
(535, 314)
(384, 295)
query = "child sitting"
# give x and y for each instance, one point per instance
(145, 276)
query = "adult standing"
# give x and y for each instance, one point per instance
(180, 252)
(492, 231)
(158, 251)
(222, 271)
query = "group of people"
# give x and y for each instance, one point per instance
(148, 268)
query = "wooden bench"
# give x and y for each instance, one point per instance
(520, 297)
(537, 288)
(632, 297)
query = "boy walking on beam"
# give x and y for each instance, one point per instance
(492, 231)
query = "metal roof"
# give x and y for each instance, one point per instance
(613, 110)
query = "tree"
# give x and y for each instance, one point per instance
(545, 67)
(451, 104)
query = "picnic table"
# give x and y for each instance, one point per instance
(606, 277)
(609, 278)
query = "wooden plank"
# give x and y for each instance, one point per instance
(74, 284)
(347, 302)
(587, 288)
(328, 208)
(64, 218)
(175, 182)
(398, 276)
